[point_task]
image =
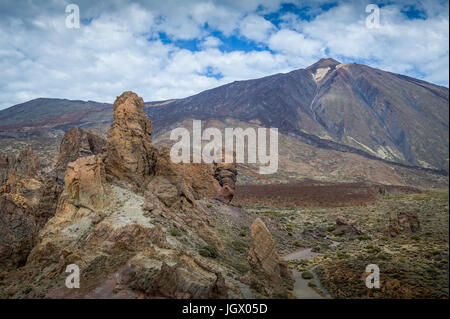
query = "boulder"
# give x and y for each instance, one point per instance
(178, 283)
(347, 226)
(403, 222)
(266, 266)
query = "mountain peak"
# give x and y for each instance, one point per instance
(323, 63)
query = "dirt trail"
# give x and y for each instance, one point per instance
(303, 253)
(301, 288)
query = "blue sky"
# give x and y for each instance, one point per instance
(173, 49)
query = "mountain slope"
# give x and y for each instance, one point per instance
(346, 107)
(382, 114)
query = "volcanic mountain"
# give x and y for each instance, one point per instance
(330, 105)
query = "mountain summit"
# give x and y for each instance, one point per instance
(346, 107)
(323, 63)
(335, 105)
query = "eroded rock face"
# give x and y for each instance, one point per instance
(31, 196)
(266, 266)
(199, 177)
(130, 156)
(17, 231)
(77, 143)
(48, 201)
(13, 168)
(176, 282)
(403, 222)
(20, 195)
(219, 289)
(85, 179)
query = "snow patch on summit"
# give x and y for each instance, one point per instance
(320, 73)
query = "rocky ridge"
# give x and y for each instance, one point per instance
(132, 221)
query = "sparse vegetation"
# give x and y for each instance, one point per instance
(298, 243)
(239, 246)
(208, 251)
(175, 232)
(307, 275)
(364, 237)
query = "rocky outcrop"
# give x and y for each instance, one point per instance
(118, 211)
(198, 177)
(77, 143)
(85, 180)
(48, 201)
(226, 175)
(218, 290)
(347, 227)
(130, 156)
(176, 282)
(403, 222)
(266, 266)
(20, 195)
(13, 168)
(28, 204)
(17, 231)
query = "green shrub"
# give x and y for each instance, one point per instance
(241, 267)
(331, 228)
(373, 250)
(243, 233)
(415, 237)
(307, 275)
(175, 232)
(315, 249)
(239, 246)
(298, 243)
(342, 255)
(364, 237)
(312, 284)
(208, 251)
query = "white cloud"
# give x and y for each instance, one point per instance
(211, 42)
(399, 45)
(40, 57)
(255, 28)
(294, 43)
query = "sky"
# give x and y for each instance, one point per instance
(173, 49)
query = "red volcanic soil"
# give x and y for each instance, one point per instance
(313, 194)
